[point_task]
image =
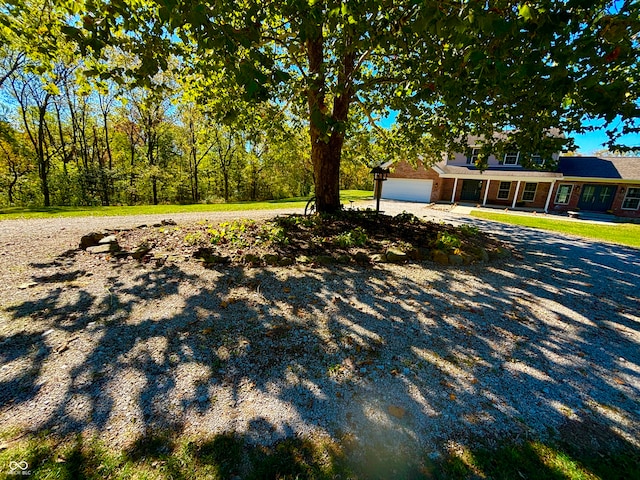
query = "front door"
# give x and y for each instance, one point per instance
(597, 198)
(470, 190)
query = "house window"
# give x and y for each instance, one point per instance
(631, 199)
(511, 158)
(605, 194)
(563, 195)
(537, 160)
(503, 190)
(529, 192)
(588, 194)
(472, 156)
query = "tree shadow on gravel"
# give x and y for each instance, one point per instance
(391, 362)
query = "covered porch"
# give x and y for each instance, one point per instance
(514, 188)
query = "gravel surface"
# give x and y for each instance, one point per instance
(389, 357)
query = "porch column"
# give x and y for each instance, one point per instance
(546, 205)
(515, 197)
(486, 192)
(455, 187)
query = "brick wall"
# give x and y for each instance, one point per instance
(616, 206)
(617, 203)
(405, 170)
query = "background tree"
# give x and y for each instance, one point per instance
(35, 100)
(226, 148)
(13, 159)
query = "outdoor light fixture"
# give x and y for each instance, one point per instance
(379, 175)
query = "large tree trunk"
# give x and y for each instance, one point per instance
(326, 130)
(326, 172)
(154, 189)
(11, 186)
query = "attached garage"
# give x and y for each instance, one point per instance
(407, 189)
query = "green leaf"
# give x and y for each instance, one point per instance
(525, 12)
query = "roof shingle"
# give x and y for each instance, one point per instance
(623, 168)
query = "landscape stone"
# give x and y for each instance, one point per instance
(271, 259)
(104, 248)
(499, 252)
(481, 254)
(422, 253)
(379, 258)
(456, 259)
(440, 257)
(324, 260)
(108, 239)
(343, 259)
(214, 259)
(395, 255)
(252, 259)
(90, 240)
(362, 258)
(141, 251)
(168, 222)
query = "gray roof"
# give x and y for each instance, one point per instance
(623, 168)
(501, 171)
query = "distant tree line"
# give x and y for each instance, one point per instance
(69, 136)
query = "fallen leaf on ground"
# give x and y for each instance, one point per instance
(396, 411)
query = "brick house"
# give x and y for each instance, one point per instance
(595, 184)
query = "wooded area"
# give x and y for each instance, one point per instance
(116, 101)
(69, 139)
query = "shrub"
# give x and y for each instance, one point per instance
(353, 238)
(469, 230)
(406, 217)
(233, 232)
(447, 241)
(298, 221)
(193, 238)
(271, 232)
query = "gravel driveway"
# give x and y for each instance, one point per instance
(390, 357)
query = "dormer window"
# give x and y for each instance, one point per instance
(511, 158)
(537, 160)
(472, 156)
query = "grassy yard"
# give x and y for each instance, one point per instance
(227, 456)
(622, 233)
(7, 213)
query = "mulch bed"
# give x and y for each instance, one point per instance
(361, 237)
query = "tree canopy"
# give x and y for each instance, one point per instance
(446, 69)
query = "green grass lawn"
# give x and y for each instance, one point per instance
(622, 233)
(7, 213)
(227, 456)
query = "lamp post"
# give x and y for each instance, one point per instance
(379, 176)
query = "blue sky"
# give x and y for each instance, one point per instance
(586, 143)
(591, 142)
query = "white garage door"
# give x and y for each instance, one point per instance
(407, 189)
